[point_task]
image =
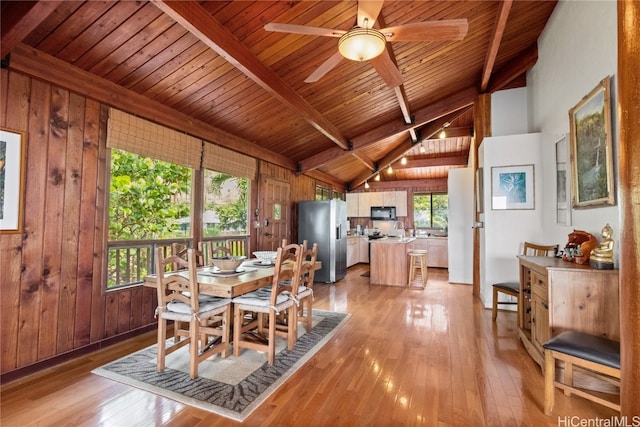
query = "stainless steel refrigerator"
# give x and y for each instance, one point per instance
(325, 222)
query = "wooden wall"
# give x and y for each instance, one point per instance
(51, 276)
(51, 286)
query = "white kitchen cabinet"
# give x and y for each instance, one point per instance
(353, 250)
(359, 204)
(353, 200)
(437, 251)
(400, 202)
(364, 250)
(364, 205)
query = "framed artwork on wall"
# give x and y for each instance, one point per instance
(591, 149)
(512, 187)
(563, 183)
(12, 170)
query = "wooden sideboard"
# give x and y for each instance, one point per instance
(557, 295)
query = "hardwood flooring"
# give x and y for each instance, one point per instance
(406, 357)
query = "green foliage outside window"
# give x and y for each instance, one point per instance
(146, 197)
(431, 210)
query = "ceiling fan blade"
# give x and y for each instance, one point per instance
(387, 69)
(303, 29)
(368, 10)
(452, 29)
(324, 68)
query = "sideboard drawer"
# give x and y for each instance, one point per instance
(539, 286)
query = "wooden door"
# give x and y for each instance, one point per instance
(275, 212)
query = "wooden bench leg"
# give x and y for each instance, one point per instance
(568, 377)
(549, 377)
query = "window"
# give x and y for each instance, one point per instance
(431, 210)
(225, 204)
(322, 193)
(150, 206)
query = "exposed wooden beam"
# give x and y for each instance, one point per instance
(325, 177)
(452, 104)
(195, 18)
(365, 160)
(408, 184)
(514, 69)
(434, 161)
(19, 19)
(37, 64)
(494, 46)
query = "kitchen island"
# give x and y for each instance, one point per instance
(388, 264)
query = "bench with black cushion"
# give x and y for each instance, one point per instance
(596, 354)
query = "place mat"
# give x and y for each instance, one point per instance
(227, 273)
(259, 264)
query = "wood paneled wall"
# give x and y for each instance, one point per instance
(51, 286)
(51, 275)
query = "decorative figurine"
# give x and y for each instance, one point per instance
(579, 247)
(602, 256)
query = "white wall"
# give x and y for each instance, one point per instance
(509, 112)
(576, 50)
(505, 231)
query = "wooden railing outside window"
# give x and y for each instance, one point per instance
(130, 261)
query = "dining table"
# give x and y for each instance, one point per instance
(250, 276)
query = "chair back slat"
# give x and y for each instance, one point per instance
(534, 249)
(308, 264)
(174, 286)
(286, 274)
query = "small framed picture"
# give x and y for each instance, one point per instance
(512, 187)
(12, 170)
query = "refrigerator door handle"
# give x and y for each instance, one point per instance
(338, 230)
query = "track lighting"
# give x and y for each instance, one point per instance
(377, 178)
(422, 149)
(389, 170)
(403, 161)
(442, 134)
(366, 184)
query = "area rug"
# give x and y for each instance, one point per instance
(233, 387)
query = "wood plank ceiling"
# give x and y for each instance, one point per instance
(215, 62)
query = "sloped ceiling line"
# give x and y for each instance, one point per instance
(195, 19)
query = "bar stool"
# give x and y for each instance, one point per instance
(418, 259)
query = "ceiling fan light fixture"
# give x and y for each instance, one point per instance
(362, 44)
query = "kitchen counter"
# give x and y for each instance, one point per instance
(388, 263)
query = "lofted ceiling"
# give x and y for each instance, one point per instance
(215, 62)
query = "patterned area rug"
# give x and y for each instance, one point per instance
(231, 387)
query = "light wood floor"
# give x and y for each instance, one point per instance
(406, 357)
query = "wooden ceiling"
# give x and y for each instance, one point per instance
(214, 62)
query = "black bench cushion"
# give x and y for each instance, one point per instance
(589, 347)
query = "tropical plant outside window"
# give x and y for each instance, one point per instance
(150, 205)
(431, 210)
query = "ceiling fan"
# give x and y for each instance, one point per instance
(365, 43)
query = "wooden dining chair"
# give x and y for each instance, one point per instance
(210, 250)
(208, 319)
(269, 302)
(513, 288)
(305, 287)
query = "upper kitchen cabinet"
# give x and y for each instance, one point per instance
(352, 205)
(359, 204)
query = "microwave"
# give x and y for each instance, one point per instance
(383, 213)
